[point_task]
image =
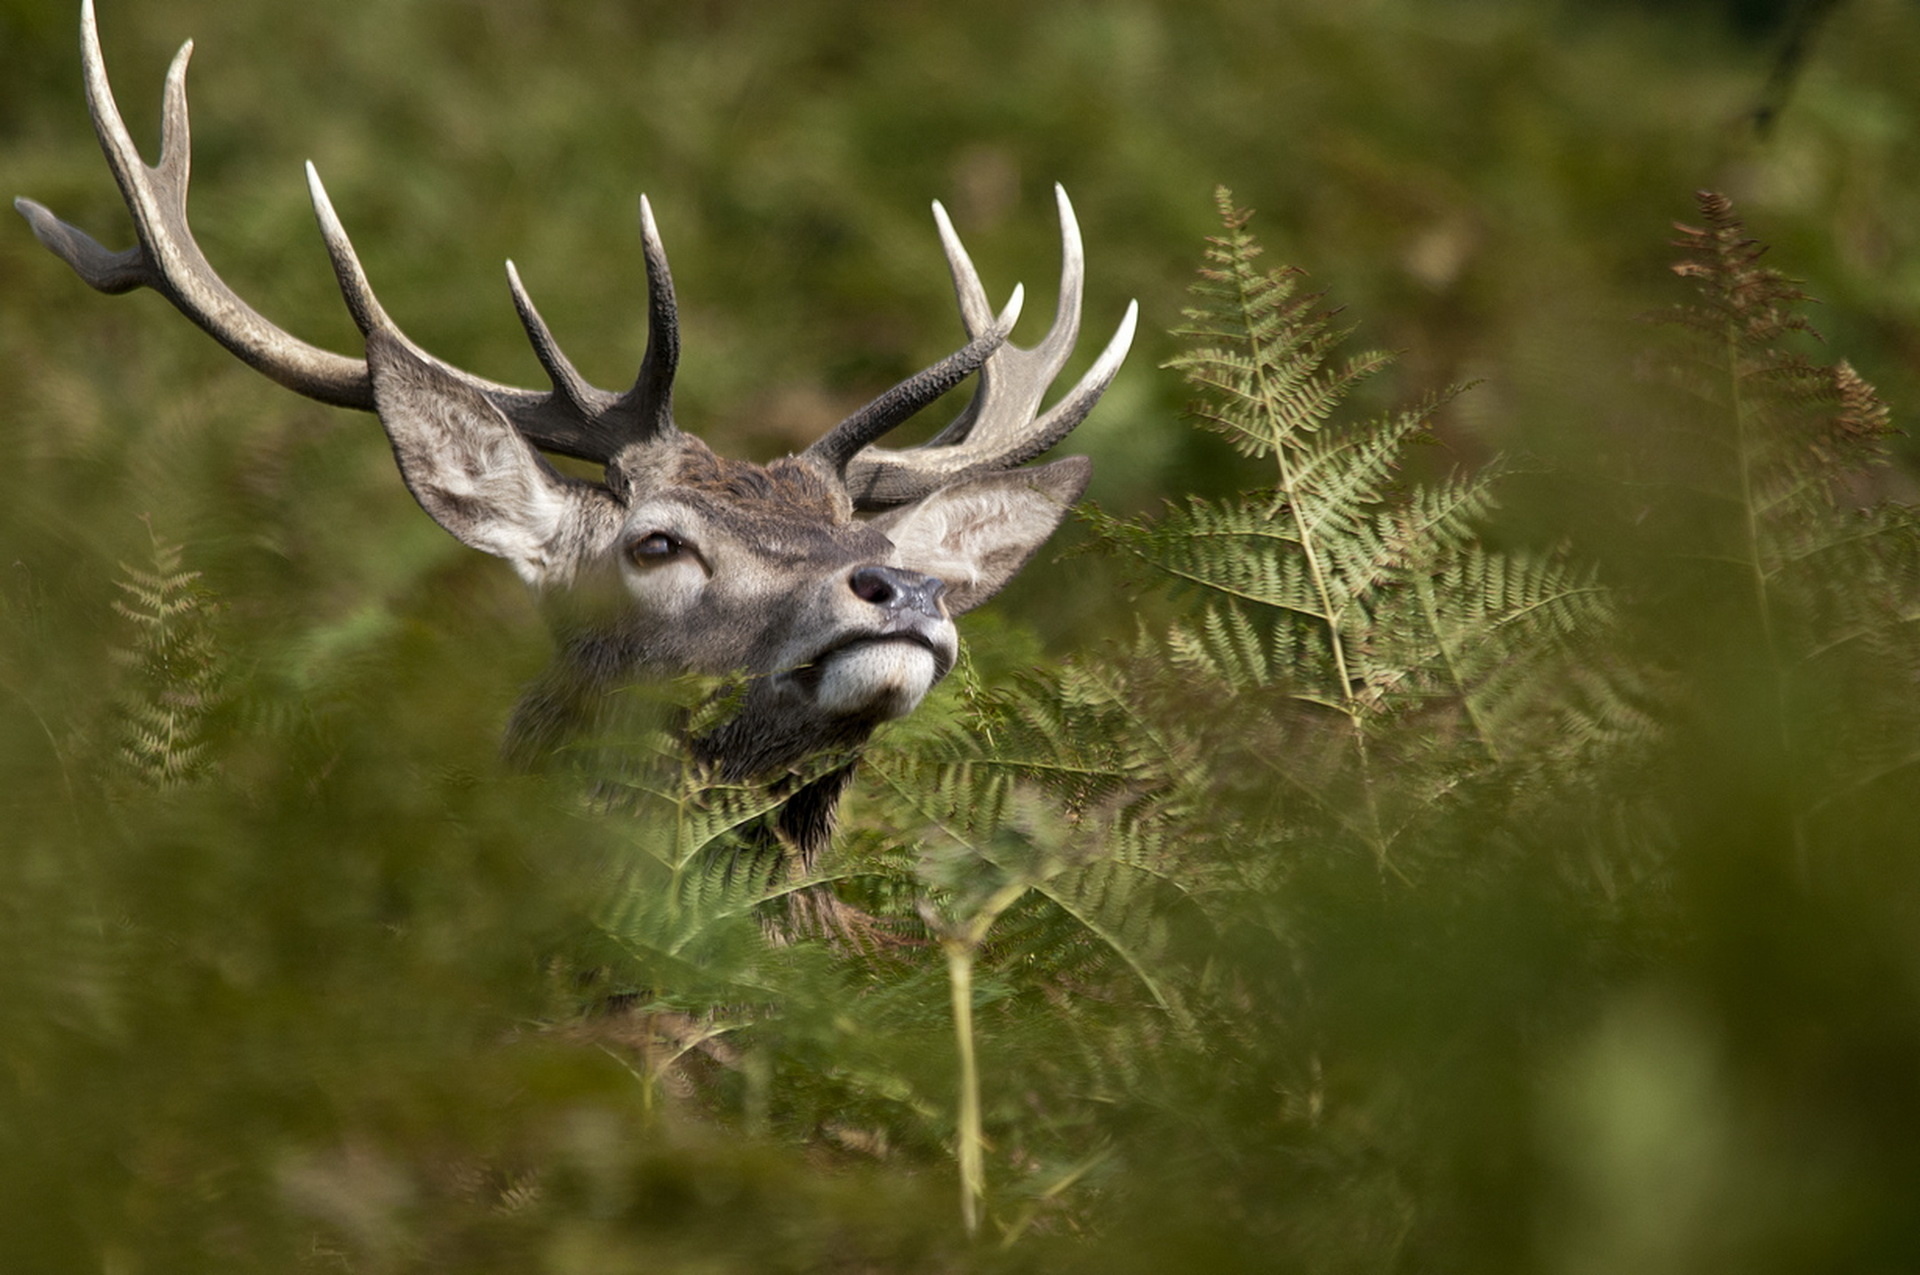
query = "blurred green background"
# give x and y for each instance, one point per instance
(330, 943)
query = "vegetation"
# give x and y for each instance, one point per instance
(1471, 828)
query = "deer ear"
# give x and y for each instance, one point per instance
(977, 533)
(466, 464)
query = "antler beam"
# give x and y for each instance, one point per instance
(166, 257)
(574, 418)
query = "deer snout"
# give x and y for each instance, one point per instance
(896, 589)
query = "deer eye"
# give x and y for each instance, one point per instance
(653, 549)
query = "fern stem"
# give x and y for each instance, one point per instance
(967, 1135)
(1272, 403)
(1317, 570)
(1336, 642)
(961, 942)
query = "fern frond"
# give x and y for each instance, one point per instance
(1340, 589)
(1259, 351)
(1739, 298)
(1120, 906)
(1239, 550)
(172, 670)
(1229, 650)
(1782, 448)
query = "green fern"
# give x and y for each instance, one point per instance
(1341, 590)
(171, 670)
(704, 855)
(1306, 548)
(1064, 786)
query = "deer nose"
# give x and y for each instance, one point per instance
(898, 590)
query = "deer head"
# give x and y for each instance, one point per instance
(679, 560)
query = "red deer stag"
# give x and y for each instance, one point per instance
(679, 560)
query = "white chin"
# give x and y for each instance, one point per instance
(878, 679)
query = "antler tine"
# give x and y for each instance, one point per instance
(117, 272)
(166, 258)
(851, 436)
(368, 314)
(1074, 406)
(650, 401)
(567, 381)
(644, 412)
(575, 419)
(1001, 427)
(975, 312)
(1015, 379)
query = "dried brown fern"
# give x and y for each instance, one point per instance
(1776, 456)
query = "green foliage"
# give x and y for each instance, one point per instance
(1378, 896)
(1573, 927)
(1124, 858)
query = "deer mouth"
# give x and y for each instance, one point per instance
(878, 675)
(942, 660)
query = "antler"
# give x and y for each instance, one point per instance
(166, 258)
(1001, 428)
(575, 418)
